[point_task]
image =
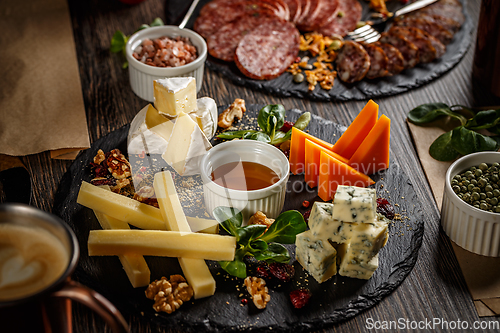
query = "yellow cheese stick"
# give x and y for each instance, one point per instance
(161, 243)
(134, 265)
(195, 271)
(120, 207)
(207, 226)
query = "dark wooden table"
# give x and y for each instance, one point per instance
(434, 289)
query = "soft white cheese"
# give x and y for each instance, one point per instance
(175, 95)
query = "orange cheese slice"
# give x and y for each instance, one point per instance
(373, 153)
(333, 172)
(297, 149)
(352, 138)
(312, 161)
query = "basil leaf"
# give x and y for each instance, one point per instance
(234, 134)
(441, 149)
(272, 110)
(275, 253)
(236, 267)
(118, 42)
(229, 218)
(484, 119)
(250, 233)
(157, 22)
(303, 121)
(285, 228)
(466, 141)
(258, 136)
(258, 245)
(426, 113)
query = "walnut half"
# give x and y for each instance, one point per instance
(235, 110)
(257, 289)
(169, 295)
(260, 218)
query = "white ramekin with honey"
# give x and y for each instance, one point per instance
(248, 175)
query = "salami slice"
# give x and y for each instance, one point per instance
(447, 8)
(305, 21)
(304, 9)
(379, 62)
(407, 48)
(448, 23)
(222, 44)
(294, 9)
(344, 20)
(426, 52)
(210, 19)
(281, 8)
(353, 62)
(327, 8)
(432, 28)
(268, 50)
(396, 60)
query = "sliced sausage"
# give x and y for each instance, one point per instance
(447, 8)
(396, 60)
(426, 52)
(379, 62)
(407, 48)
(432, 28)
(353, 62)
(223, 42)
(268, 50)
(448, 23)
(344, 20)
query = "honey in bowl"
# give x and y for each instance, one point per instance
(244, 176)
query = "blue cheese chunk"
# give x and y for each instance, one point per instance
(354, 204)
(323, 225)
(367, 240)
(317, 256)
(352, 266)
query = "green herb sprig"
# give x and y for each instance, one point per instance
(271, 118)
(119, 39)
(253, 240)
(463, 139)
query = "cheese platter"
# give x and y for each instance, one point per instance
(332, 301)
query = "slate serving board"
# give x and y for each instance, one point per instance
(284, 85)
(336, 300)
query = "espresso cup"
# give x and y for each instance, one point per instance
(38, 253)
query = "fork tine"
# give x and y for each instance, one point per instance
(365, 33)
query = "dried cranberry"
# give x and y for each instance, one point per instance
(105, 181)
(306, 215)
(263, 271)
(286, 126)
(244, 301)
(305, 203)
(300, 297)
(385, 208)
(281, 271)
(101, 171)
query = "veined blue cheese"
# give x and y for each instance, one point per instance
(367, 240)
(351, 266)
(354, 204)
(316, 255)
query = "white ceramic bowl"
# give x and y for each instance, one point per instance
(142, 75)
(269, 200)
(475, 230)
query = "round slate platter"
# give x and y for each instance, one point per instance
(284, 85)
(333, 301)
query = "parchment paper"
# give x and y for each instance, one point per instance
(482, 274)
(41, 103)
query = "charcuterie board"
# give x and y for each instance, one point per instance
(338, 299)
(284, 85)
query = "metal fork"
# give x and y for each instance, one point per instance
(371, 33)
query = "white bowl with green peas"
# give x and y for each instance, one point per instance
(473, 224)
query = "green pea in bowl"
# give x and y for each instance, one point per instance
(475, 226)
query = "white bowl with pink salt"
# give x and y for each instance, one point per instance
(162, 52)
